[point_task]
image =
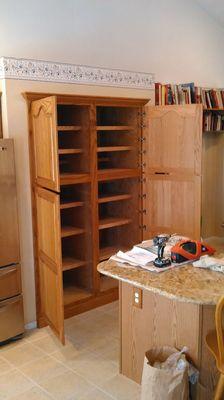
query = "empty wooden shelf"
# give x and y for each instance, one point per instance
(115, 197)
(71, 128)
(111, 222)
(71, 204)
(115, 128)
(113, 148)
(71, 231)
(71, 263)
(70, 151)
(74, 294)
(72, 178)
(107, 252)
(112, 173)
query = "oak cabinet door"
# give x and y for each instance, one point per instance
(50, 259)
(172, 147)
(172, 206)
(173, 139)
(45, 142)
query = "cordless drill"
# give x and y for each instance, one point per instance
(161, 241)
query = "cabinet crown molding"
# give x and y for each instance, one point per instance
(47, 71)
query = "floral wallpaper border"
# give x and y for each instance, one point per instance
(46, 71)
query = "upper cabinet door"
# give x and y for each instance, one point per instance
(50, 259)
(173, 139)
(45, 142)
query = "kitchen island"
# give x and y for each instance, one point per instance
(174, 308)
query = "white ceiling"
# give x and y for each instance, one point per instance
(215, 8)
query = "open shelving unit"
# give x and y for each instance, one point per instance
(86, 170)
(73, 127)
(118, 169)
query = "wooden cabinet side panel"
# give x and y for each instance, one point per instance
(160, 322)
(9, 231)
(208, 371)
(212, 185)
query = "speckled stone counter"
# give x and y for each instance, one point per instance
(185, 283)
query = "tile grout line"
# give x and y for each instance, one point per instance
(87, 380)
(35, 384)
(60, 362)
(51, 355)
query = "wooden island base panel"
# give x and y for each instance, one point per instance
(175, 308)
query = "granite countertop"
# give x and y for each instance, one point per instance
(185, 283)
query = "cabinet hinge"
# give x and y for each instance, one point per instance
(142, 165)
(142, 227)
(142, 180)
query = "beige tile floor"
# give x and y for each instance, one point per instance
(38, 367)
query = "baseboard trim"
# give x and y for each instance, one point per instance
(31, 325)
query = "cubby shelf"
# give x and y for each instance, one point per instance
(71, 204)
(107, 252)
(69, 128)
(115, 128)
(74, 294)
(71, 231)
(111, 222)
(67, 178)
(116, 173)
(70, 151)
(114, 148)
(115, 197)
(71, 263)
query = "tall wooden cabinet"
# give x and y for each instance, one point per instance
(106, 173)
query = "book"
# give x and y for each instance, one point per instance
(188, 93)
(174, 94)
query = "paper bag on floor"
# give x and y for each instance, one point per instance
(165, 375)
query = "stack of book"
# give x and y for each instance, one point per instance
(188, 93)
(213, 122)
(212, 98)
(174, 94)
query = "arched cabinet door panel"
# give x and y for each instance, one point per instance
(173, 138)
(45, 142)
